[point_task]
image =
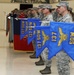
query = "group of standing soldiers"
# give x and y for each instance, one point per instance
(45, 12)
(63, 13)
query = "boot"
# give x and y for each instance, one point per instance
(47, 70)
(40, 62)
(33, 56)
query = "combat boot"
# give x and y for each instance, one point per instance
(47, 70)
(33, 56)
(40, 62)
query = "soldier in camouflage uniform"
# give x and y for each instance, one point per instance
(62, 58)
(40, 14)
(34, 14)
(45, 22)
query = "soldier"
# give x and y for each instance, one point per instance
(34, 14)
(62, 58)
(40, 12)
(40, 62)
(28, 13)
(45, 22)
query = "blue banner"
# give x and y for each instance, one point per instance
(31, 30)
(55, 45)
(23, 28)
(42, 39)
(61, 38)
(68, 44)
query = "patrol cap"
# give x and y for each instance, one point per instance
(47, 6)
(34, 8)
(63, 3)
(28, 9)
(40, 6)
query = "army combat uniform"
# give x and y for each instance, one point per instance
(62, 58)
(46, 22)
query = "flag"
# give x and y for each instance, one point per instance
(42, 39)
(31, 31)
(20, 45)
(23, 28)
(68, 45)
(55, 45)
(62, 35)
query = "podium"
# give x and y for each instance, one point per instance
(20, 45)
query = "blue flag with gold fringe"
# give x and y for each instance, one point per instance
(61, 38)
(23, 28)
(31, 31)
(42, 38)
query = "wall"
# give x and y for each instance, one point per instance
(5, 1)
(5, 8)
